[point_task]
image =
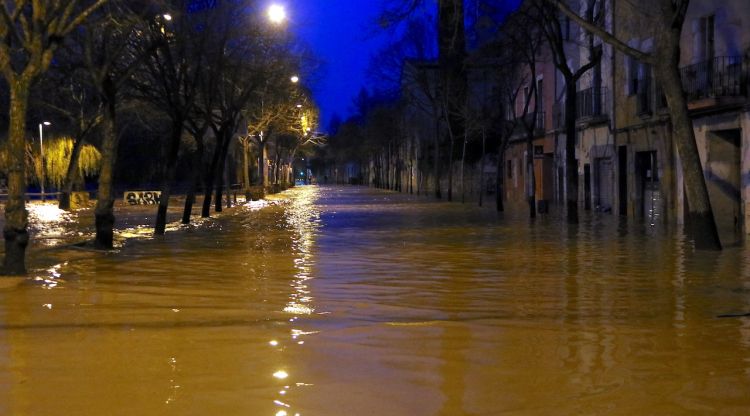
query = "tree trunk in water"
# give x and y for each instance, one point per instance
(104, 212)
(197, 170)
(451, 56)
(530, 176)
(190, 198)
(500, 180)
(463, 165)
(211, 178)
(226, 138)
(277, 169)
(387, 170)
(481, 168)
(169, 177)
(246, 169)
(571, 167)
(71, 174)
(417, 167)
(450, 169)
(700, 215)
(262, 164)
(414, 170)
(437, 158)
(16, 218)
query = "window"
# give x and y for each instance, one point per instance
(706, 38)
(645, 91)
(540, 95)
(639, 76)
(633, 65)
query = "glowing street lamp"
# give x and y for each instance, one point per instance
(167, 17)
(276, 14)
(294, 79)
(41, 152)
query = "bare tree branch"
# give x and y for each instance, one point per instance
(603, 34)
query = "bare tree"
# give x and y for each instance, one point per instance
(453, 78)
(30, 33)
(112, 52)
(523, 33)
(169, 80)
(560, 45)
(78, 104)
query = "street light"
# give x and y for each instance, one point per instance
(41, 152)
(294, 79)
(167, 17)
(276, 14)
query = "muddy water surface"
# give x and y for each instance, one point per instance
(350, 301)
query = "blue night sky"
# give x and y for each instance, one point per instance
(343, 34)
(340, 33)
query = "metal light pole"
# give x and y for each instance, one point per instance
(41, 152)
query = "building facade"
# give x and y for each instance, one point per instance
(626, 158)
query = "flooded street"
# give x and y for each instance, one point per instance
(353, 301)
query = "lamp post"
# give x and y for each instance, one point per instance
(41, 152)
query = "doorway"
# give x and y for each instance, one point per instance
(604, 191)
(648, 189)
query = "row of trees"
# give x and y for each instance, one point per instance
(466, 94)
(205, 79)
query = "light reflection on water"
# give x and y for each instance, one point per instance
(354, 301)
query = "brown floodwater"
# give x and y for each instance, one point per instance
(353, 301)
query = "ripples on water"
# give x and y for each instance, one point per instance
(350, 301)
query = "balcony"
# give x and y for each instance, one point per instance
(528, 120)
(592, 104)
(720, 80)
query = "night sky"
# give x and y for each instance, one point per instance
(341, 33)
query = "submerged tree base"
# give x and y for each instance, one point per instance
(16, 241)
(702, 229)
(104, 231)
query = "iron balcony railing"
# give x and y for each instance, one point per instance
(723, 76)
(592, 103)
(539, 124)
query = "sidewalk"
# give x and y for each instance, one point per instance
(51, 227)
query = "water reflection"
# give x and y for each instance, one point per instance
(467, 314)
(353, 301)
(177, 325)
